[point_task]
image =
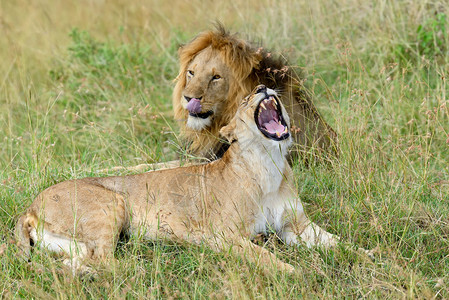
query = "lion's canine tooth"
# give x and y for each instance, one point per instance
(263, 105)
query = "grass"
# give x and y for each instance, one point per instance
(88, 86)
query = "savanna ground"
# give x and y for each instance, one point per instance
(87, 86)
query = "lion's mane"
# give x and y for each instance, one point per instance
(250, 66)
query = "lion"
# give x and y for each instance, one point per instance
(217, 69)
(224, 203)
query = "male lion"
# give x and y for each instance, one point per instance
(217, 70)
(223, 203)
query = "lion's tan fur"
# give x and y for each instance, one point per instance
(223, 203)
(249, 66)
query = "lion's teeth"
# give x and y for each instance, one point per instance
(263, 105)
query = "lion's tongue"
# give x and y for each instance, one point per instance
(274, 127)
(194, 105)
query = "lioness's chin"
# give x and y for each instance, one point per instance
(198, 124)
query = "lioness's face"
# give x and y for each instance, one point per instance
(261, 117)
(270, 117)
(206, 90)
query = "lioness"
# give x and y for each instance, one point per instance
(223, 203)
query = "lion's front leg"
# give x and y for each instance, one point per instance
(144, 167)
(297, 227)
(157, 166)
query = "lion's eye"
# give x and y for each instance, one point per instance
(190, 73)
(216, 77)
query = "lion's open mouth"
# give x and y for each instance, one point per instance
(269, 120)
(194, 107)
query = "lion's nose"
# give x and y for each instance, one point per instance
(261, 89)
(190, 98)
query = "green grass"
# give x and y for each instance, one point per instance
(88, 86)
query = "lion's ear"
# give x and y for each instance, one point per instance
(228, 131)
